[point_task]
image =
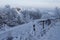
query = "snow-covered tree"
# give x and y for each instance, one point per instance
(57, 12)
(9, 16)
(31, 15)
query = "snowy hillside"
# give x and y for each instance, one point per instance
(29, 23)
(26, 32)
(54, 33)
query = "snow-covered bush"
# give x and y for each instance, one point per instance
(57, 12)
(16, 16)
(29, 15)
(9, 16)
(35, 15)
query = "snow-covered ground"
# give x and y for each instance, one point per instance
(53, 33)
(29, 24)
(26, 32)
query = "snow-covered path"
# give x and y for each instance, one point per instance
(25, 32)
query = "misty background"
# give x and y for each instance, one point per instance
(31, 3)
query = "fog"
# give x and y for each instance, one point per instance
(31, 3)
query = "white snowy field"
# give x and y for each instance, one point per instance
(26, 32)
(53, 33)
(27, 24)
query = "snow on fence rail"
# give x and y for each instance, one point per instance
(20, 31)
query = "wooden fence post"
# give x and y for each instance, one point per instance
(43, 24)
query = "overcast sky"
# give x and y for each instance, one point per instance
(31, 3)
